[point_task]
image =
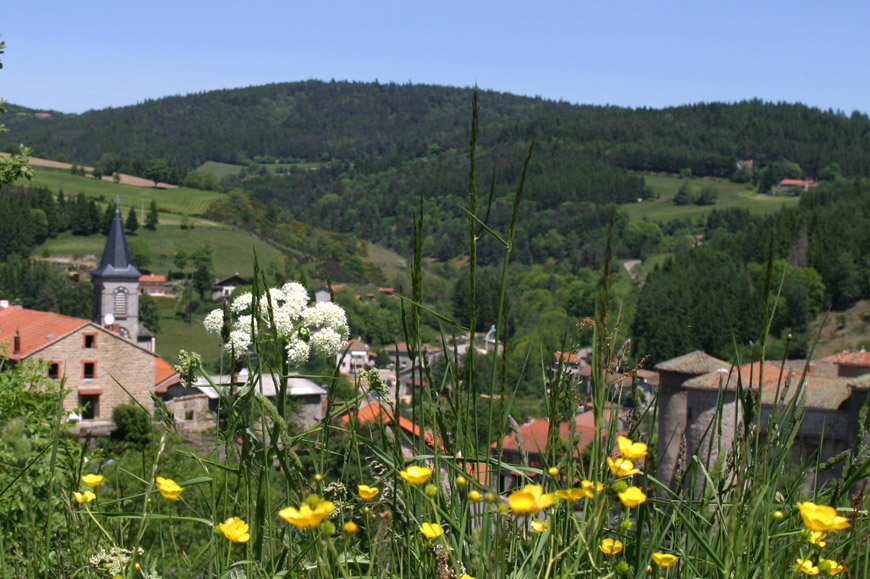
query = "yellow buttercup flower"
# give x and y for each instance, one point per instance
(431, 530)
(570, 494)
(350, 528)
(367, 492)
(474, 496)
(169, 488)
(806, 567)
(530, 500)
(622, 467)
(664, 559)
(92, 480)
(822, 518)
(235, 529)
(588, 490)
(632, 496)
(816, 537)
(830, 567)
(466, 576)
(539, 526)
(84, 497)
(610, 546)
(416, 475)
(630, 449)
(591, 488)
(306, 517)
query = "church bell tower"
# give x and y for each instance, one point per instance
(116, 284)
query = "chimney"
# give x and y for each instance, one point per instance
(16, 343)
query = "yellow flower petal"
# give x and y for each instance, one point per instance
(84, 497)
(610, 546)
(235, 529)
(539, 526)
(431, 530)
(622, 467)
(367, 492)
(168, 488)
(92, 480)
(416, 475)
(530, 500)
(630, 449)
(632, 497)
(664, 559)
(822, 518)
(305, 517)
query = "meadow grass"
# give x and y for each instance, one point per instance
(178, 200)
(272, 500)
(233, 248)
(731, 195)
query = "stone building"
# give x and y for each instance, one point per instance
(90, 359)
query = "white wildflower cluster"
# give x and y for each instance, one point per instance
(114, 561)
(321, 329)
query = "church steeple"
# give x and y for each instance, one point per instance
(116, 283)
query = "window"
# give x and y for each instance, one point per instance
(188, 415)
(89, 370)
(120, 298)
(54, 371)
(90, 341)
(90, 405)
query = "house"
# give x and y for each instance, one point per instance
(692, 399)
(353, 357)
(223, 288)
(531, 444)
(851, 364)
(188, 404)
(152, 284)
(747, 164)
(91, 359)
(324, 293)
(796, 185)
(412, 438)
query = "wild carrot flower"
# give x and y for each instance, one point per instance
(630, 449)
(235, 529)
(830, 567)
(632, 497)
(806, 567)
(367, 492)
(431, 530)
(530, 500)
(822, 518)
(622, 467)
(416, 475)
(664, 559)
(92, 480)
(610, 546)
(169, 488)
(306, 517)
(84, 497)
(539, 526)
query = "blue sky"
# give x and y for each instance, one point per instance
(74, 56)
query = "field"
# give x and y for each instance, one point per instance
(233, 249)
(730, 195)
(220, 170)
(176, 334)
(176, 200)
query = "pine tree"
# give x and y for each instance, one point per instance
(151, 218)
(132, 223)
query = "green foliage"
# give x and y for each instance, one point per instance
(152, 218)
(132, 222)
(132, 425)
(708, 195)
(140, 253)
(685, 195)
(149, 313)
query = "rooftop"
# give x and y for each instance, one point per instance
(696, 362)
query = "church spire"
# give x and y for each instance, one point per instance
(116, 256)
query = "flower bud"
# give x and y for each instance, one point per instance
(461, 481)
(431, 491)
(553, 471)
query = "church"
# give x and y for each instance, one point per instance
(104, 362)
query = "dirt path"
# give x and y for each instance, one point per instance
(125, 179)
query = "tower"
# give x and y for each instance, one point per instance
(116, 284)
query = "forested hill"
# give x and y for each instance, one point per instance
(383, 125)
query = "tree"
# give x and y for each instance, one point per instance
(151, 218)
(202, 281)
(684, 195)
(97, 173)
(132, 223)
(709, 195)
(108, 217)
(158, 170)
(149, 313)
(116, 177)
(179, 259)
(13, 167)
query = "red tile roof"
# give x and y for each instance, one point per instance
(164, 375)
(35, 329)
(568, 357)
(853, 359)
(374, 413)
(152, 278)
(534, 433)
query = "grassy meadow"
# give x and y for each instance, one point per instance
(174, 200)
(731, 195)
